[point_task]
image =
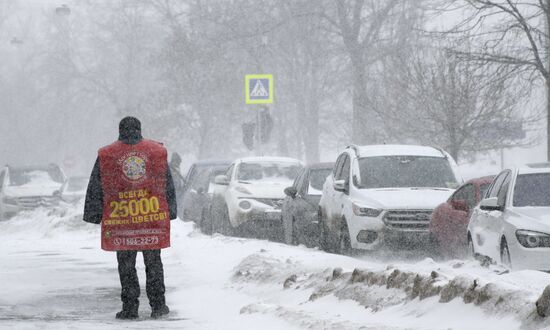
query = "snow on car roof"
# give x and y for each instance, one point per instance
(206, 162)
(398, 150)
(267, 159)
(532, 170)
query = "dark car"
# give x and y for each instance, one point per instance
(299, 210)
(198, 188)
(449, 222)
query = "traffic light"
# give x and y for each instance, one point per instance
(248, 134)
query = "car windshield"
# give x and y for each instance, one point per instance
(405, 171)
(532, 190)
(267, 171)
(77, 184)
(35, 177)
(317, 178)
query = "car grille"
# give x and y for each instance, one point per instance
(408, 220)
(32, 202)
(273, 202)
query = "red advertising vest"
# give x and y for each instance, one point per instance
(135, 210)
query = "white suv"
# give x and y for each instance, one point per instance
(384, 193)
(248, 198)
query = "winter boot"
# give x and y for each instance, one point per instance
(159, 312)
(127, 314)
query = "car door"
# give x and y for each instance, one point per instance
(300, 202)
(331, 208)
(312, 191)
(229, 174)
(457, 217)
(341, 197)
(481, 235)
(289, 205)
(220, 192)
(495, 218)
(195, 195)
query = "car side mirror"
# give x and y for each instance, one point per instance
(490, 204)
(221, 180)
(291, 192)
(460, 205)
(340, 185)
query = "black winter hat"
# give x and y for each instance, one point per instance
(129, 130)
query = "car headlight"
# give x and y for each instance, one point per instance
(532, 239)
(9, 200)
(364, 211)
(245, 205)
(243, 190)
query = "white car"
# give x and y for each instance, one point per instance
(28, 187)
(384, 194)
(248, 198)
(512, 224)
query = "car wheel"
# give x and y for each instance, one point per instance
(505, 258)
(344, 246)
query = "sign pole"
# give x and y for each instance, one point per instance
(259, 133)
(259, 90)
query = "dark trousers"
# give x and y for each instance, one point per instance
(129, 279)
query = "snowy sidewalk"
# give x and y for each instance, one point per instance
(54, 276)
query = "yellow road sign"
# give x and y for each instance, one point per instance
(259, 88)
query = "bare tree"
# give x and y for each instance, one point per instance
(361, 25)
(513, 33)
(460, 106)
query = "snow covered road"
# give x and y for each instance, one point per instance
(54, 276)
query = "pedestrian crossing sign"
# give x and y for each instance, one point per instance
(259, 88)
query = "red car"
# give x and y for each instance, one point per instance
(448, 226)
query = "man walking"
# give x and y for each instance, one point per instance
(131, 194)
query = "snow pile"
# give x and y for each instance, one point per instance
(377, 289)
(48, 222)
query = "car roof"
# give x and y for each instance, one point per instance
(267, 159)
(538, 165)
(206, 162)
(481, 180)
(321, 166)
(532, 170)
(398, 150)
